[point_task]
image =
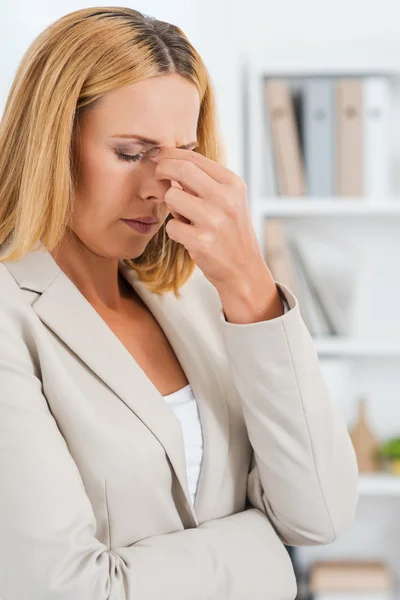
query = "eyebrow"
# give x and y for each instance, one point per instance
(150, 141)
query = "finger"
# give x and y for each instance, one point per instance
(175, 214)
(188, 175)
(215, 170)
(179, 217)
(180, 232)
(189, 207)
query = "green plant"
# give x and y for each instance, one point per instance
(390, 450)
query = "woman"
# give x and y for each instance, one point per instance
(113, 334)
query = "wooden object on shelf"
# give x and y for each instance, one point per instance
(350, 576)
(364, 441)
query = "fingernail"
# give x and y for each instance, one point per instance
(153, 152)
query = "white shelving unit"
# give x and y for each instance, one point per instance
(263, 207)
(319, 207)
(355, 349)
(380, 484)
(382, 368)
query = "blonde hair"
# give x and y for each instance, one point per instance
(63, 73)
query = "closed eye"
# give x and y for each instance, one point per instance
(130, 157)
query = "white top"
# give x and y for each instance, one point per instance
(184, 405)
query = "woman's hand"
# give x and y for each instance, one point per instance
(216, 228)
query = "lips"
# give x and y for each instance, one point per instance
(139, 226)
(148, 220)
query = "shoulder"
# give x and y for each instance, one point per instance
(15, 309)
(18, 348)
(11, 294)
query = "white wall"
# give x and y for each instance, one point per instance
(224, 32)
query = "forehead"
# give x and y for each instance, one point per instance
(165, 108)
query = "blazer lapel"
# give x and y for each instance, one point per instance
(64, 309)
(191, 339)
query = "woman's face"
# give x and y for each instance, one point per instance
(111, 188)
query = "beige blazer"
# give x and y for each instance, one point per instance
(94, 500)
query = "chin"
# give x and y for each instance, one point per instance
(134, 250)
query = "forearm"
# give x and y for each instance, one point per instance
(255, 563)
(305, 465)
(236, 557)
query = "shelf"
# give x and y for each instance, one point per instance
(285, 64)
(356, 348)
(379, 484)
(336, 206)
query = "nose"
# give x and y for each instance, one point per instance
(155, 189)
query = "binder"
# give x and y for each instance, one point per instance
(268, 183)
(276, 254)
(331, 274)
(376, 131)
(310, 307)
(323, 324)
(319, 117)
(350, 137)
(282, 262)
(285, 138)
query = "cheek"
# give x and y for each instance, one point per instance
(105, 185)
(101, 169)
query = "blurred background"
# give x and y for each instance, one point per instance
(309, 105)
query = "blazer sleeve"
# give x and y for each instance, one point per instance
(48, 548)
(304, 472)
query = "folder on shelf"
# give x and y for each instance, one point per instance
(376, 147)
(268, 185)
(331, 274)
(285, 138)
(319, 119)
(277, 255)
(285, 269)
(351, 579)
(350, 137)
(311, 309)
